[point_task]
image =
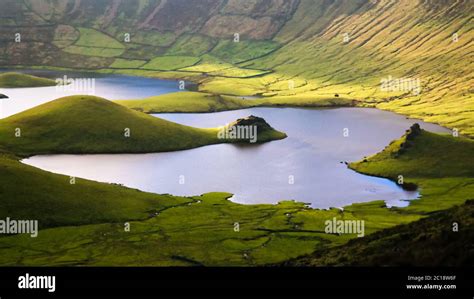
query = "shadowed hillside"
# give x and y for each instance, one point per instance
(429, 242)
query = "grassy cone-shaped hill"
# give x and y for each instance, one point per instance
(422, 154)
(88, 125)
(17, 80)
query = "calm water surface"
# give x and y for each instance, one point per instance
(112, 87)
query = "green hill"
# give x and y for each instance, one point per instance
(184, 102)
(441, 166)
(436, 156)
(17, 80)
(192, 102)
(88, 125)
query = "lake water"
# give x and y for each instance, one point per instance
(304, 167)
(112, 87)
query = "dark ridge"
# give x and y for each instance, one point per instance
(429, 242)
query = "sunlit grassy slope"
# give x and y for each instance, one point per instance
(287, 51)
(185, 102)
(424, 147)
(17, 80)
(169, 63)
(426, 40)
(95, 43)
(206, 102)
(87, 125)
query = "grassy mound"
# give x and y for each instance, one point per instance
(441, 166)
(186, 102)
(88, 124)
(17, 80)
(197, 102)
(436, 156)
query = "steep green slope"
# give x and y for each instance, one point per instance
(431, 242)
(17, 80)
(286, 50)
(402, 40)
(87, 124)
(324, 47)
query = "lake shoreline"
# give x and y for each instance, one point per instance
(277, 108)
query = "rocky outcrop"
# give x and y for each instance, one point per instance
(411, 135)
(252, 120)
(251, 129)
